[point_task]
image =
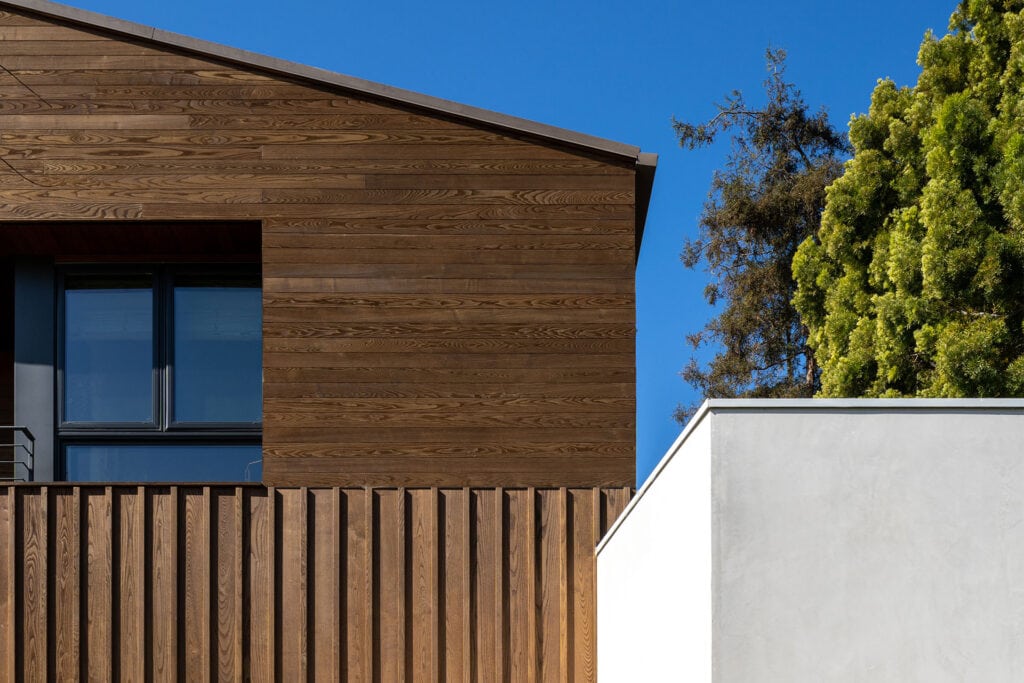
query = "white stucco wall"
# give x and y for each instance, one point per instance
(851, 541)
(654, 572)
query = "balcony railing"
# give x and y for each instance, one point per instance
(22, 451)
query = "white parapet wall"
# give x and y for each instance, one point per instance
(823, 540)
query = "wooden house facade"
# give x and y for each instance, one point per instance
(448, 406)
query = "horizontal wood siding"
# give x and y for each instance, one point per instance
(299, 584)
(454, 298)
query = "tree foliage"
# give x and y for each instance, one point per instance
(765, 201)
(914, 285)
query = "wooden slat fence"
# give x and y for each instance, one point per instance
(198, 583)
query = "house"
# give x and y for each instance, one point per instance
(410, 323)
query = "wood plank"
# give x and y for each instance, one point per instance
(19, 62)
(121, 152)
(15, 27)
(182, 210)
(8, 585)
(421, 406)
(222, 181)
(371, 615)
(449, 286)
(445, 243)
(165, 599)
(72, 211)
(585, 517)
(132, 196)
(502, 523)
(468, 361)
(133, 89)
(167, 76)
(451, 435)
(382, 119)
(550, 586)
(241, 607)
(195, 562)
(482, 451)
(67, 596)
(131, 598)
(93, 122)
(415, 347)
(226, 601)
(275, 530)
(323, 586)
(339, 549)
(357, 651)
(508, 150)
(356, 313)
(456, 588)
(390, 586)
(375, 390)
(409, 228)
(449, 270)
(521, 603)
(532, 257)
(447, 376)
(372, 330)
(294, 594)
(97, 636)
(621, 184)
(444, 419)
(526, 197)
(422, 138)
(82, 44)
(422, 641)
(172, 166)
(33, 554)
(259, 590)
(564, 618)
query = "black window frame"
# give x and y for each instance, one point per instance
(164, 429)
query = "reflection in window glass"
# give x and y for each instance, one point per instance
(217, 354)
(174, 462)
(108, 352)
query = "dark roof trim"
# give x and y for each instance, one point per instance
(286, 68)
(646, 165)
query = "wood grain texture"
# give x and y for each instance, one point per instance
(313, 583)
(98, 634)
(9, 633)
(427, 280)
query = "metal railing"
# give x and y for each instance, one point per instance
(23, 453)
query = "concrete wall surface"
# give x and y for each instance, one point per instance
(654, 578)
(850, 540)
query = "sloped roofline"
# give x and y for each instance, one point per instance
(645, 162)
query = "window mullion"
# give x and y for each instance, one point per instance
(163, 352)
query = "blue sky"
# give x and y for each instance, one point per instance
(618, 70)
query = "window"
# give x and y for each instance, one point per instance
(159, 374)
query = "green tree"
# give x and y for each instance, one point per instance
(765, 201)
(914, 285)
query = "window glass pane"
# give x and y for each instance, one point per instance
(217, 354)
(173, 462)
(108, 350)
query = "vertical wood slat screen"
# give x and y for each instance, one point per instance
(229, 583)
